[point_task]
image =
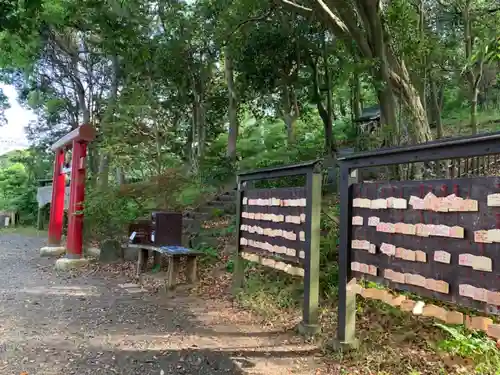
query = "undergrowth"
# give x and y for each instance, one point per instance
(268, 292)
(474, 345)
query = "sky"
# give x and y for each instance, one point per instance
(12, 135)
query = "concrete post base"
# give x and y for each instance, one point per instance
(65, 264)
(52, 251)
(308, 330)
(342, 346)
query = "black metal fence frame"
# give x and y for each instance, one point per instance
(450, 148)
(312, 171)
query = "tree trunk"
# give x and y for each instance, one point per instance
(159, 163)
(423, 79)
(474, 70)
(290, 114)
(330, 146)
(290, 121)
(356, 96)
(201, 129)
(188, 147)
(200, 118)
(108, 119)
(194, 137)
(324, 113)
(473, 110)
(103, 171)
(120, 176)
(388, 117)
(435, 110)
(400, 81)
(232, 107)
(364, 24)
(93, 163)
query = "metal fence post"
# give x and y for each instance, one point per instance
(309, 324)
(346, 335)
(238, 261)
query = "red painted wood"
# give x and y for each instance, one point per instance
(77, 196)
(57, 205)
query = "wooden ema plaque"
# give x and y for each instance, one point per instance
(273, 224)
(457, 239)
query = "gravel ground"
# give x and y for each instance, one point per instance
(92, 323)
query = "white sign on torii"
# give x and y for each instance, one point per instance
(44, 196)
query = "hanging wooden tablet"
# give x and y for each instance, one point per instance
(364, 203)
(409, 229)
(442, 257)
(481, 263)
(457, 232)
(480, 294)
(493, 330)
(465, 260)
(479, 323)
(493, 298)
(481, 236)
(388, 249)
(372, 249)
(357, 220)
(416, 203)
(378, 204)
(420, 256)
(373, 221)
(493, 200)
(466, 290)
(494, 235)
(399, 203)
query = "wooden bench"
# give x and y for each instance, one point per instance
(174, 255)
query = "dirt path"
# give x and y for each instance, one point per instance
(54, 324)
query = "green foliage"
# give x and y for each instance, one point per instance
(475, 345)
(194, 194)
(230, 266)
(209, 251)
(18, 173)
(267, 292)
(107, 214)
(210, 254)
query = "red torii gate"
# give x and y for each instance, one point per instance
(77, 139)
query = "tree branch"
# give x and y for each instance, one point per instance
(253, 19)
(333, 17)
(348, 17)
(298, 6)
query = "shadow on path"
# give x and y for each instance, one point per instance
(88, 324)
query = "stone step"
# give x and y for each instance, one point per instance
(191, 225)
(227, 197)
(197, 215)
(227, 207)
(212, 211)
(216, 232)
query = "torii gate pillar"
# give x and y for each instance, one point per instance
(57, 203)
(77, 140)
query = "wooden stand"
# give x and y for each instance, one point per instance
(173, 263)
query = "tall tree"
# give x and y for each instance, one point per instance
(366, 23)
